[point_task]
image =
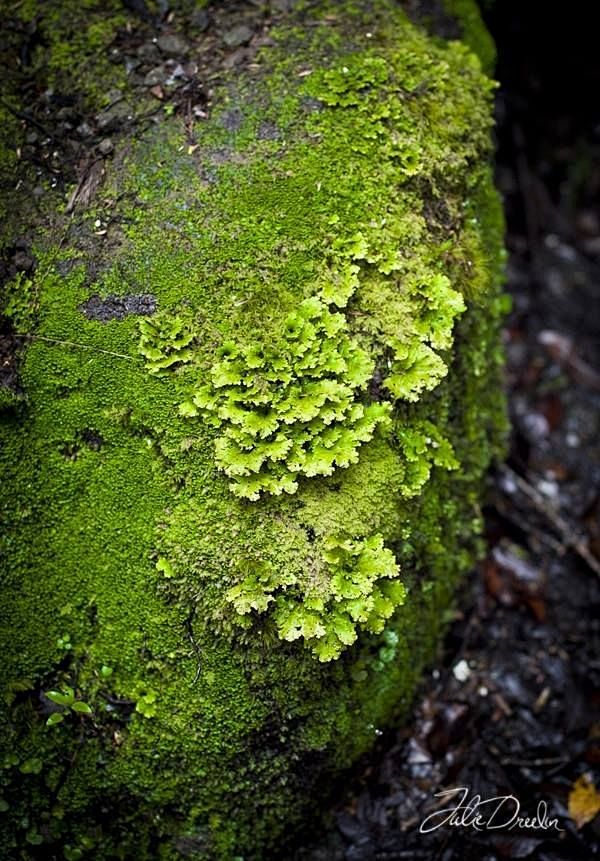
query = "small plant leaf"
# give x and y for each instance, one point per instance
(61, 698)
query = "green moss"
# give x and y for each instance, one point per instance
(73, 44)
(353, 256)
(166, 341)
(474, 33)
(289, 409)
(355, 587)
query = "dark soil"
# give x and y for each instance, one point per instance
(118, 307)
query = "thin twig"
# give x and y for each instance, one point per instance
(75, 344)
(516, 518)
(566, 531)
(535, 763)
(190, 632)
(89, 181)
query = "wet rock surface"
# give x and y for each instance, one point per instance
(118, 307)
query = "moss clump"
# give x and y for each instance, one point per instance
(73, 41)
(357, 589)
(236, 651)
(474, 33)
(166, 340)
(289, 409)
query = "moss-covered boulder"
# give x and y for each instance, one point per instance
(242, 475)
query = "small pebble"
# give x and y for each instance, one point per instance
(148, 52)
(84, 130)
(237, 36)
(548, 488)
(199, 19)
(536, 426)
(461, 671)
(173, 45)
(23, 262)
(155, 76)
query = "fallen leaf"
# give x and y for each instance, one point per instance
(496, 584)
(584, 801)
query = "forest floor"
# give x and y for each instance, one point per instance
(512, 707)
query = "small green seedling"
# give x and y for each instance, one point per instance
(146, 705)
(66, 699)
(64, 643)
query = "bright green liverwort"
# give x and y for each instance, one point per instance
(233, 527)
(357, 588)
(289, 409)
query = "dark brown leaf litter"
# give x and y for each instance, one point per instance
(18, 260)
(513, 707)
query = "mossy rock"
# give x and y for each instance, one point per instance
(242, 476)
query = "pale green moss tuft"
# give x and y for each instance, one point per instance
(354, 588)
(166, 341)
(289, 409)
